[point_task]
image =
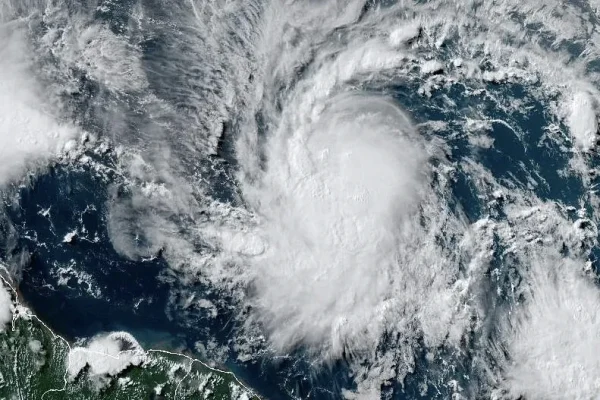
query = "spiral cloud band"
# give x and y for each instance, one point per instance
(378, 197)
(333, 202)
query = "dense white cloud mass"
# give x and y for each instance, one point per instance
(343, 233)
(552, 339)
(353, 238)
(349, 232)
(29, 131)
(336, 205)
(583, 121)
(106, 355)
(6, 307)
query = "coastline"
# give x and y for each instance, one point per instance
(152, 355)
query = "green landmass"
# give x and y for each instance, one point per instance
(34, 365)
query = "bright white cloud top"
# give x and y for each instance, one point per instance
(553, 340)
(334, 205)
(30, 134)
(349, 232)
(347, 216)
(6, 307)
(106, 355)
(356, 229)
(583, 121)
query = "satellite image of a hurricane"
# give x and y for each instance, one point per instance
(332, 199)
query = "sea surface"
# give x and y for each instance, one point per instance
(195, 123)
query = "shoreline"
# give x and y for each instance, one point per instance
(22, 311)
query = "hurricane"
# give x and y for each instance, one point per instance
(335, 199)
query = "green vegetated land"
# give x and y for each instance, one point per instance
(34, 364)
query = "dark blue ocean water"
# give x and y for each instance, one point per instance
(135, 294)
(140, 296)
(134, 298)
